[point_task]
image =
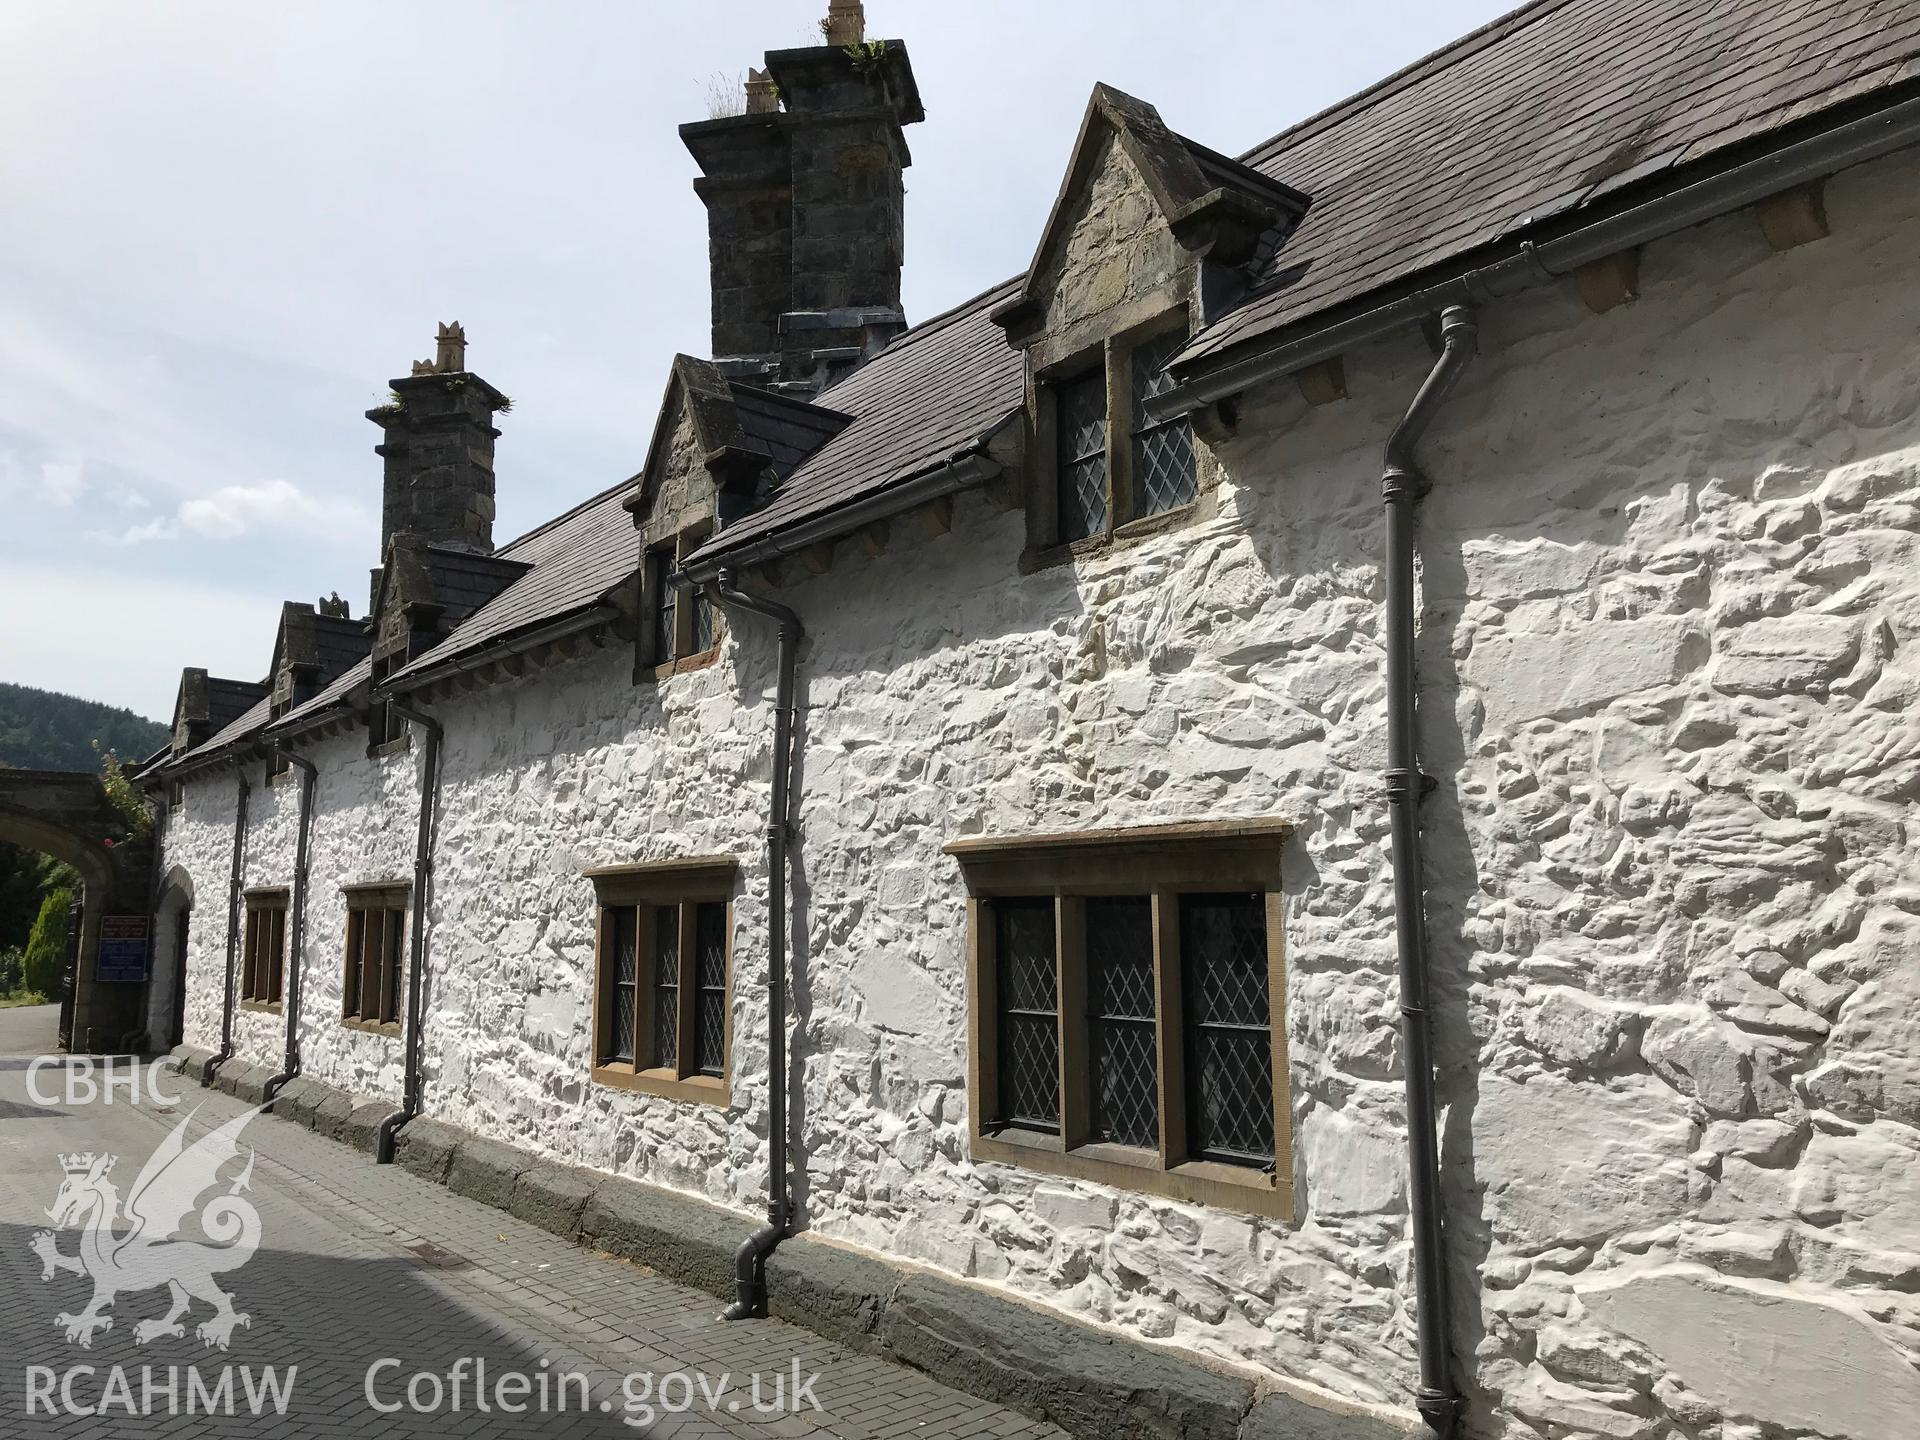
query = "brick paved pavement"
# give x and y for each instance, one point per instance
(358, 1263)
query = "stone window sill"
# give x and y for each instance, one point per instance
(1120, 537)
(397, 746)
(1200, 1182)
(263, 1007)
(388, 1028)
(684, 665)
(698, 1089)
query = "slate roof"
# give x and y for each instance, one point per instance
(327, 697)
(228, 700)
(933, 393)
(562, 566)
(788, 429)
(572, 562)
(464, 581)
(340, 642)
(1560, 105)
(250, 722)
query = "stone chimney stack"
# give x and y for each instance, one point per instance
(438, 447)
(805, 202)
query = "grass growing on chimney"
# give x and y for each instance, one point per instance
(726, 95)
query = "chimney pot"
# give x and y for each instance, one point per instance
(846, 22)
(763, 96)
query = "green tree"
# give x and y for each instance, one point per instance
(47, 946)
(45, 730)
(25, 878)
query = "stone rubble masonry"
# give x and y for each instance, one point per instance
(1675, 904)
(1085, 1381)
(437, 445)
(806, 207)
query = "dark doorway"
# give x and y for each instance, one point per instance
(177, 1024)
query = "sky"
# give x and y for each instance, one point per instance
(228, 224)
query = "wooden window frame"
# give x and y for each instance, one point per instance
(646, 888)
(263, 949)
(1163, 862)
(658, 563)
(385, 899)
(1114, 355)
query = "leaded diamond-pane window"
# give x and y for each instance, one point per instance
(1126, 1002)
(665, 603)
(623, 976)
(663, 957)
(702, 619)
(1163, 466)
(1223, 942)
(1080, 422)
(666, 986)
(1029, 1015)
(710, 994)
(1125, 1093)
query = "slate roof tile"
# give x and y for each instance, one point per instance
(1556, 106)
(928, 396)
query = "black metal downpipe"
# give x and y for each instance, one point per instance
(1402, 486)
(417, 954)
(750, 1261)
(296, 946)
(233, 926)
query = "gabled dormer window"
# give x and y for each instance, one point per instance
(1109, 465)
(680, 626)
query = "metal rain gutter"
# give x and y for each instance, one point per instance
(750, 1261)
(417, 957)
(296, 945)
(1533, 263)
(1401, 487)
(573, 625)
(971, 467)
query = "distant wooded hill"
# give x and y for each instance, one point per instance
(45, 730)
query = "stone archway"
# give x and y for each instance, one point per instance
(68, 816)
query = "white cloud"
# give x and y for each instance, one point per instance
(236, 510)
(63, 481)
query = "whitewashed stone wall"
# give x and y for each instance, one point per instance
(198, 838)
(363, 832)
(1667, 661)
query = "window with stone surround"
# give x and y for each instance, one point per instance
(1126, 1008)
(370, 992)
(263, 951)
(1103, 467)
(680, 629)
(662, 972)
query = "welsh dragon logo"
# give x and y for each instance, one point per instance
(142, 1248)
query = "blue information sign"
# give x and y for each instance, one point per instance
(123, 948)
